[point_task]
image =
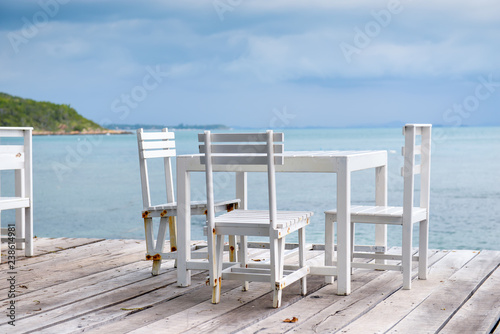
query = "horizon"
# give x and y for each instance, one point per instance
(281, 64)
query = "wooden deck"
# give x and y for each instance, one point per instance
(105, 286)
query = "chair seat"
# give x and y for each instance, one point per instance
(380, 214)
(197, 207)
(256, 222)
(7, 203)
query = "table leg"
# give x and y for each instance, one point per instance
(344, 227)
(381, 199)
(184, 225)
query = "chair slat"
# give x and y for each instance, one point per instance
(11, 133)
(6, 164)
(157, 135)
(416, 170)
(11, 149)
(159, 154)
(243, 160)
(243, 148)
(241, 137)
(147, 145)
(416, 150)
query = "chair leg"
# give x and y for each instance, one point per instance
(302, 259)
(219, 258)
(352, 245)
(148, 231)
(243, 257)
(277, 260)
(233, 252)
(172, 223)
(406, 255)
(423, 249)
(212, 266)
(160, 243)
(20, 228)
(329, 245)
(29, 232)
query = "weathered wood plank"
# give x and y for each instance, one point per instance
(105, 286)
(346, 309)
(43, 246)
(75, 263)
(197, 317)
(245, 316)
(41, 320)
(81, 288)
(441, 306)
(151, 305)
(390, 311)
(74, 250)
(481, 312)
(309, 306)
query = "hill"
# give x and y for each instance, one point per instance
(44, 117)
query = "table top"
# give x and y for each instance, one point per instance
(301, 161)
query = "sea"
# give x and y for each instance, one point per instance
(88, 186)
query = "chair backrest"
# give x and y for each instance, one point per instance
(241, 149)
(18, 158)
(412, 168)
(156, 145)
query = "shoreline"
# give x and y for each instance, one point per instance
(73, 133)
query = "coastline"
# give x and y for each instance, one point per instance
(85, 132)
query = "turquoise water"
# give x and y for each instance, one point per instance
(89, 186)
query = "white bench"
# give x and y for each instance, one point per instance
(18, 158)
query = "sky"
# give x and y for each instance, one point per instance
(258, 63)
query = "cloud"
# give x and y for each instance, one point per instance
(261, 55)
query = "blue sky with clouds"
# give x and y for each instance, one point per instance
(257, 63)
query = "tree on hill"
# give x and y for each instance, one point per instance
(42, 116)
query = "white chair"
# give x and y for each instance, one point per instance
(406, 216)
(162, 145)
(251, 149)
(19, 158)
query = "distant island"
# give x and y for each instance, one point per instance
(46, 118)
(181, 126)
(49, 118)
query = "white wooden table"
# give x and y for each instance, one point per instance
(340, 162)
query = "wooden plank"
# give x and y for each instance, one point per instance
(241, 137)
(71, 292)
(251, 311)
(12, 132)
(43, 246)
(11, 164)
(391, 310)
(144, 307)
(481, 312)
(148, 145)
(157, 135)
(40, 320)
(192, 307)
(318, 306)
(74, 253)
(14, 149)
(75, 263)
(159, 154)
(110, 290)
(439, 307)
(244, 316)
(238, 159)
(343, 310)
(242, 148)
